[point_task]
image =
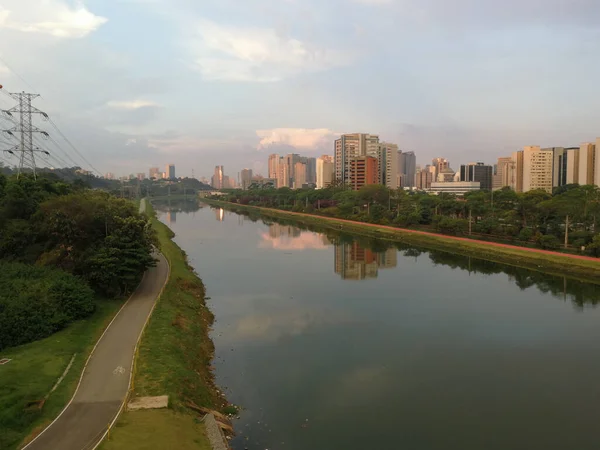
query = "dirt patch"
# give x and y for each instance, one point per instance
(162, 401)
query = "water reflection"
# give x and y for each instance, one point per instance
(287, 237)
(355, 262)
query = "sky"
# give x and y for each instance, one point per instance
(141, 83)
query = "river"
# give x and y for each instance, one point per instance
(334, 342)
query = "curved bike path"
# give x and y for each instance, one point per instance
(105, 380)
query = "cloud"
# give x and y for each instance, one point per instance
(52, 17)
(300, 138)
(250, 54)
(132, 104)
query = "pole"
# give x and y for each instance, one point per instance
(470, 221)
(567, 232)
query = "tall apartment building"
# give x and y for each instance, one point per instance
(291, 159)
(311, 170)
(170, 171)
(387, 157)
(537, 169)
(477, 172)
(573, 165)
(246, 178)
(283, 174)
(587, 163)
(299, 175)
(517, 179)
(273, 168)
(218, 179)
(439, 165)
(325, 171)
(559, 166)
(154, 173)
(363, 171)
(506, 173)
(350, 146)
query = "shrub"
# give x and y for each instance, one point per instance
(525, 234)
(548, 242)
(36, 302)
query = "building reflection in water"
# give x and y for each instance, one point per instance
(171, 216)
(220, 213)
(354, 262)
(287, 237)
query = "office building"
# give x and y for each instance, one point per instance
(291, 160)
(217, 180)
(283, 174)
(537, 169)
(348, 147)
(587, 163)
(423, 179)
(517, 179)
(154, 173)
(407, 168)
(170, 171)
(477, 172)
(387, 158)
(325, 171)
(439, 165)
(311, 170)
(505, 173)
(141, 176)
(363, 171)
(455, 187)
(246, 178)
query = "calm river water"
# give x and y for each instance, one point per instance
(336, 343)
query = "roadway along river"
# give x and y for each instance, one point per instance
(336, 343)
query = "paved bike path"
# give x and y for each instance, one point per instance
(105, 380)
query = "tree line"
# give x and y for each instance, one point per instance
(62, 245)
(564, 219)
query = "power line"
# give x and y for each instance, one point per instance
(72, 146)
(15, 72)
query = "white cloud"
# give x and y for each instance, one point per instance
(303, 138)
(228, 53)
(132, 104)
(53, 17)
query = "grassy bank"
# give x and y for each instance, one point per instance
(174, 359)
(37, 366)
(554, 264)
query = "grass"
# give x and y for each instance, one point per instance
(174, 359)
(157, 429)
(35, 368)
(584, 270)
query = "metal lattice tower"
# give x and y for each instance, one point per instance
(24, 130)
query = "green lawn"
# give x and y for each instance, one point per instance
(157, 429)
(35, 368)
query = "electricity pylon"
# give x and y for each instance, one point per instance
(24, 130)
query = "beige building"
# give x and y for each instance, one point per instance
(350, 146)
(387, 158)
(283, 174)
(573, 166)
(517, 180)
(537, 169)
(506, 172)
(155, 173)
(246, 178)
(587, 163)
(325, 171)
(274, 165)
(299, 175)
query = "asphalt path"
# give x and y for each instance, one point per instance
(105, 381)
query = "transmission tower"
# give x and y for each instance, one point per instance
(24, 130)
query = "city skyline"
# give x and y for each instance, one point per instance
(290, 85)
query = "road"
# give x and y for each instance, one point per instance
(105, 380)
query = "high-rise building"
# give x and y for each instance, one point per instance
(517, 179)
(246, 178)
(407, 168)
(170, 171)
(109, 176)
(423, 179)
(273, 165)
(587, 163)
(325, 171)
(291, 159)
(311, 170)
(217, 180)
(477, 172)
(537, 169)
(283, 174)
(387, 157)
(350, 146)
(141, 176)
(439, 165)
(154, 173)
(299, 175)
(505, 173)
(363, 171)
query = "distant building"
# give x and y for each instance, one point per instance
(587, 163)
(348, 147)
(505, 173)
(154, 173)
(300, 173)
(283, 174)
(246, 178)
(477, 172)
(537, 169)
(109, 176)
(217, 180)
(291, 159)
(387, 157)
(141, 176)
(407, 168)
(455, 187)
(325, 171)
(273, 165)
(363, 171)
(311, 170)
(423, 179)
(170, 171)
(438, 165)
(517, 179)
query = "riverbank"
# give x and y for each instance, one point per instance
(34, 370)
(174, 359)
(580, 267)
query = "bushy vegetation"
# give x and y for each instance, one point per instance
(63, 242)
(567, 218)
(38, 301)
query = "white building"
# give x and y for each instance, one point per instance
(325, 171)
(455, 187)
